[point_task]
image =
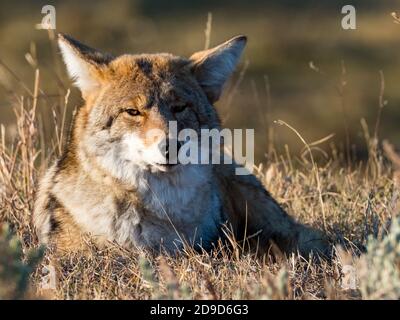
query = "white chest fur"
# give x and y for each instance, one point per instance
(180, 207)
(173, 208)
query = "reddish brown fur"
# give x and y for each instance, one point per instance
(153, 84)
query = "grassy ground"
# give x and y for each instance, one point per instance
(355, 205)
(355, 202)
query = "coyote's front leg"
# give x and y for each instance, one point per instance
(251, 210)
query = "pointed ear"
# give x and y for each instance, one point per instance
(213, 67)
(85, 65)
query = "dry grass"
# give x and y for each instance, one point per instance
(295, 90)
(354, 205)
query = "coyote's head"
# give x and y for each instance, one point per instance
(130, 100)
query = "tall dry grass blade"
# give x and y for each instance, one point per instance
(314, 168)
(207, 31)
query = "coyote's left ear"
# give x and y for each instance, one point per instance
(214, 66)
(86, 66)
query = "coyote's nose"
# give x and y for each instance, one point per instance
(170, 148)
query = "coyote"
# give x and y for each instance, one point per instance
(111, 182)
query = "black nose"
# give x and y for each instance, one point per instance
(170, 148)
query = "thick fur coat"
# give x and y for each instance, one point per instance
(111, 182)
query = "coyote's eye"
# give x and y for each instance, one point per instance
(178, 108)
(132, 112)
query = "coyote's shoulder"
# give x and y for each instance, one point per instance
(113, 181)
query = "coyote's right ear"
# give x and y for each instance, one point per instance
(85, 65)
(213, 67)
